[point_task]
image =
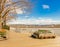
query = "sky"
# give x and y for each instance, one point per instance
(43, 12)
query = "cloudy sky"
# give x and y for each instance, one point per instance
(43, 12)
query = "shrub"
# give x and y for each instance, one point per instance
(2, 32)
(6, 27)
(44, 31)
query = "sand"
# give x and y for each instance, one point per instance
(24, 40)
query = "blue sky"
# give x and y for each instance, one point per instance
(43, 12)
(51, 9)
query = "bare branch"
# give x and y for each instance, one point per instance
(8, 7)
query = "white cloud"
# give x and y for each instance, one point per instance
(26, 16)
(35, 21)
(45, 6)
(19, 11)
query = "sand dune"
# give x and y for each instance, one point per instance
(24, 40)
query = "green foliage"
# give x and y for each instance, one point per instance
(44, 31)
(6, 27)
(41, 30)
(2, 34)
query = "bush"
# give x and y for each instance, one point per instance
(2, 32)
(44, 31)
(6, 27)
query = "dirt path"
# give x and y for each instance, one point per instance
(24, 40)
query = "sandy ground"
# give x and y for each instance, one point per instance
(24, 40)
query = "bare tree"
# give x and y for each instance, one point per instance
(8, 9)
